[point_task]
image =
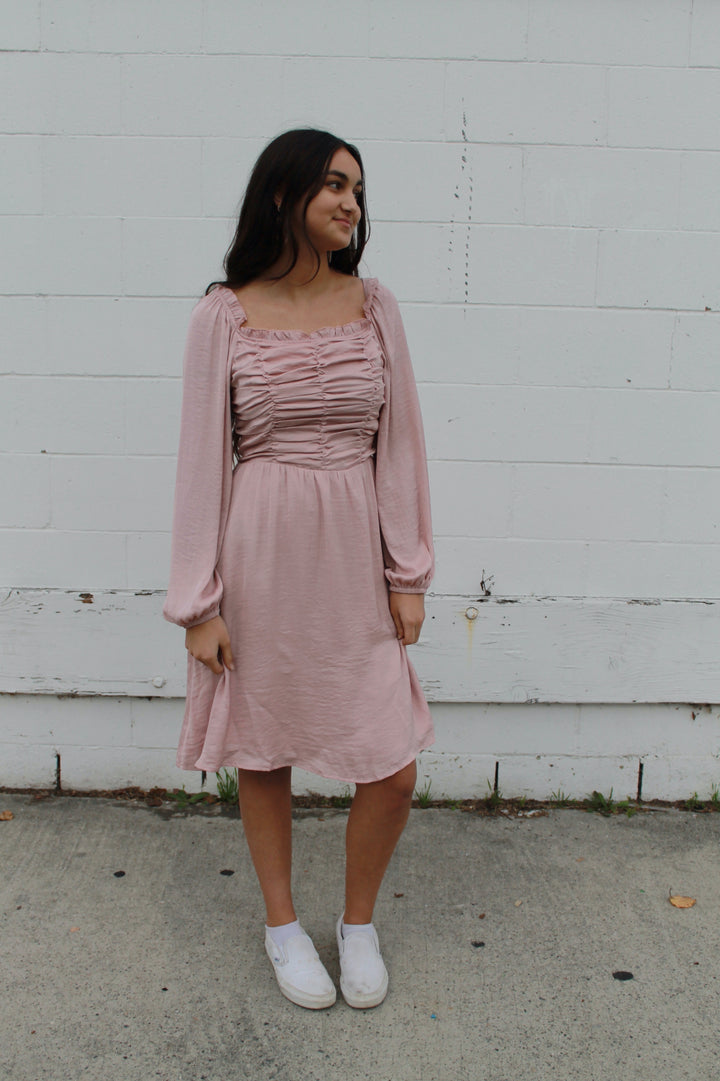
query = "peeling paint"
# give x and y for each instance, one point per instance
(552, 649)
(464, 187)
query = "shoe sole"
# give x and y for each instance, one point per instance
(309, 1002)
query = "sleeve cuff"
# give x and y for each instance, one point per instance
(187, 624)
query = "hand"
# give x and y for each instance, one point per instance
(209, 642)
(408, 612)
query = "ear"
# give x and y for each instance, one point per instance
(277, 200)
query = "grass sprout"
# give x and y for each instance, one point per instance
(227, 786)
(422, 795)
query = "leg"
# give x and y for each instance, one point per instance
(377, 818)
(265, 809)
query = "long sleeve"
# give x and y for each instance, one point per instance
(204, 467)
(401, 476)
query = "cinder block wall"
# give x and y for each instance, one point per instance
(543, 183)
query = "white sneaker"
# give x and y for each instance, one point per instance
(363, 976)
(300, 973)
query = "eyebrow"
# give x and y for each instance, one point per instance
(343, 176)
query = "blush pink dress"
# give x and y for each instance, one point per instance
(297, 546)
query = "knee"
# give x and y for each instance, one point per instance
(400, 786)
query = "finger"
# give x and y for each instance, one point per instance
(214, 665)
(226, 654)
(210, 661)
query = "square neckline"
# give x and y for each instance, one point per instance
(352, 327)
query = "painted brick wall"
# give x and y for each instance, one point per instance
(543, 182)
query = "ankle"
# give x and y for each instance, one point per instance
(357, 916)
(347, 929)
(279, 915)
(280, 933)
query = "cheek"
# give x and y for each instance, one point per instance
(326, 202)
(315, 210)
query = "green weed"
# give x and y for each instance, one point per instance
(422, 795)
(559, 798)
(227, 786)
(604, 805)
(493, 798)
(184, 799)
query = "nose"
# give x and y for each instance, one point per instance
(351, 204)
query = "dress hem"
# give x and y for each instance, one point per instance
(327, 773)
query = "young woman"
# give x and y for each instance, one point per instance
(302, 543)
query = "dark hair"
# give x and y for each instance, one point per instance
(294, 165)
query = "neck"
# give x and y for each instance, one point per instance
(303, 276)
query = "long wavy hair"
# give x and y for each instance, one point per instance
(292, 166)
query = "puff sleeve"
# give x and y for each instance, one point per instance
(401, 476)
(204, 467)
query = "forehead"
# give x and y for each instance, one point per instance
(343, 161)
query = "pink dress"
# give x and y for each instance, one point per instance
(296, 547)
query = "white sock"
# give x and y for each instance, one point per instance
(355, 928)
(281, 934)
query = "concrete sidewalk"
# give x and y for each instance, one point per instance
(501, 937)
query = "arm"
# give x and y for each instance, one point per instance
(401, 477)
(204, 472)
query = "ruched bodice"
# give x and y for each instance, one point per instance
(311, 400)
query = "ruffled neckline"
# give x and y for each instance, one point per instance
(355, 326)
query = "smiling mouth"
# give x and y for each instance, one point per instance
(344, 221)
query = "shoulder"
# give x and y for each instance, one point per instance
(212, 311)
(212, 303)
(380, 295)
(377, 292)
(348, 289)
(382, 305)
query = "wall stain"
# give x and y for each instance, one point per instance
(471, 614)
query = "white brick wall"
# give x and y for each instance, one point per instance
(543, 182)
